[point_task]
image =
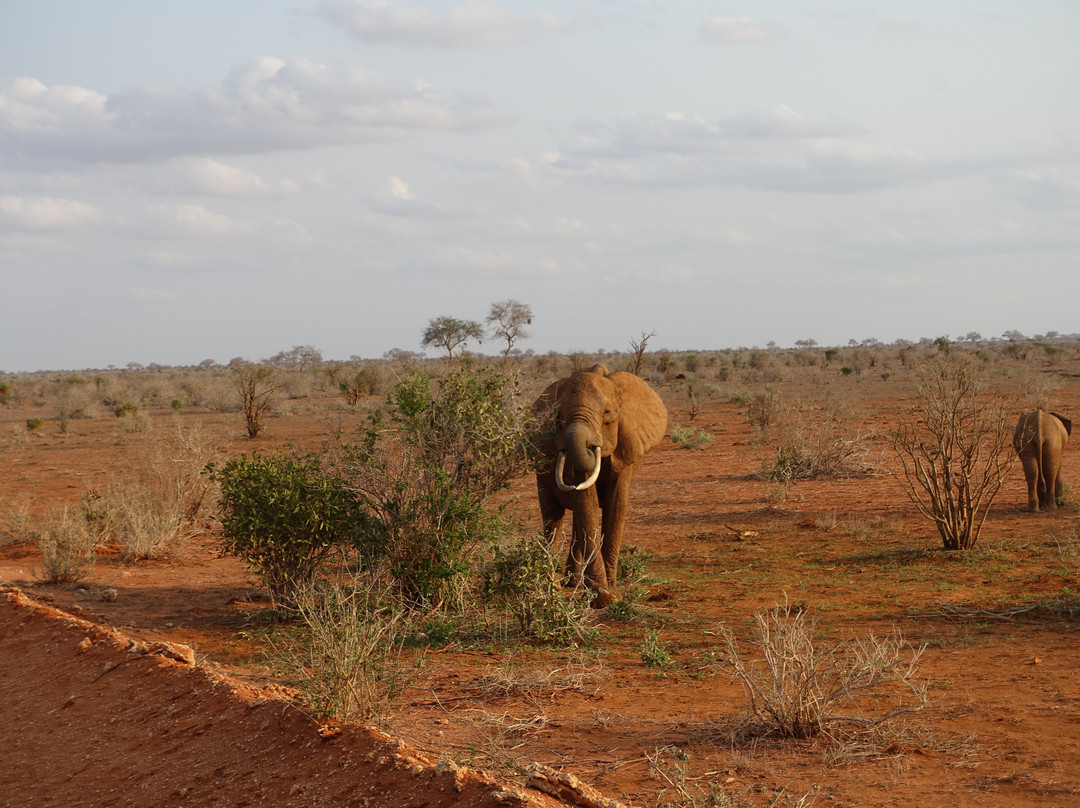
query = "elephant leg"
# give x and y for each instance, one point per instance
(1031, 474)
(617, 503)
(1050, 472)
(584, 564)
(551, 511)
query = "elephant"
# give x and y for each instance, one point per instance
(599, 426)
(1039, 439)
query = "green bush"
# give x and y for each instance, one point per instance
(127, 408)
(285, 515)
(34, 424)
(524, 580)
(425, 469)
(689, 438)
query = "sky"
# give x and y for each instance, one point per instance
(210, 180)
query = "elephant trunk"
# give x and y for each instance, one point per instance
(582, 447)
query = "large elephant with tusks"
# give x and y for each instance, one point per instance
(600, 426)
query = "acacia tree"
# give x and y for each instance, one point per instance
(508, 319)
(299, 355)
(955, 448)
(450, 333)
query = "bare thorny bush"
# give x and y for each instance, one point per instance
(153, 511)
(344, 653)
(955, 448)
(806, 689)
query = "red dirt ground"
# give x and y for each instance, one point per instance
(95, 717)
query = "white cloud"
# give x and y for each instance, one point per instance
(45, 213)
(777, 150)
(286, 231)
(469, 24)
(1043, 190)
(739, 30)
(195, 221)
(204, 175)
(30, 109)
(399, 189)
(270, 104)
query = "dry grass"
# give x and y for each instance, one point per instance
(345, 654)
(67, 546)
(807, 690)
(580, 674)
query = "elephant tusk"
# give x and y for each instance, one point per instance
(582, 486)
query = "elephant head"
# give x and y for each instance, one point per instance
(601, 425)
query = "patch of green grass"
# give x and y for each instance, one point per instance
(654, 652)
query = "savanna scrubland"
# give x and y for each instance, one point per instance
(791, 629)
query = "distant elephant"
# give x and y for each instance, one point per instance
(1039, 439)
(601, 425)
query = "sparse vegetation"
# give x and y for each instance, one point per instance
(490, 637)
(67, 546)
(807, 689)
(690, 438)
(344, 651)
(955, 448)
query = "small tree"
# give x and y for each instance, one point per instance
(507, 319)
(638, 348)
(450, 333)
(256, 385)
(299, 355)
(955, 448)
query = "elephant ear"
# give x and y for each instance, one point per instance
(643, 418)
(1065, 422)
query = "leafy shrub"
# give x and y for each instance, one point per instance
(285, 515)
(524, 579)
(425, 469)
(654, 652)
(127, 408)
(34, 424)
(689, 438)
